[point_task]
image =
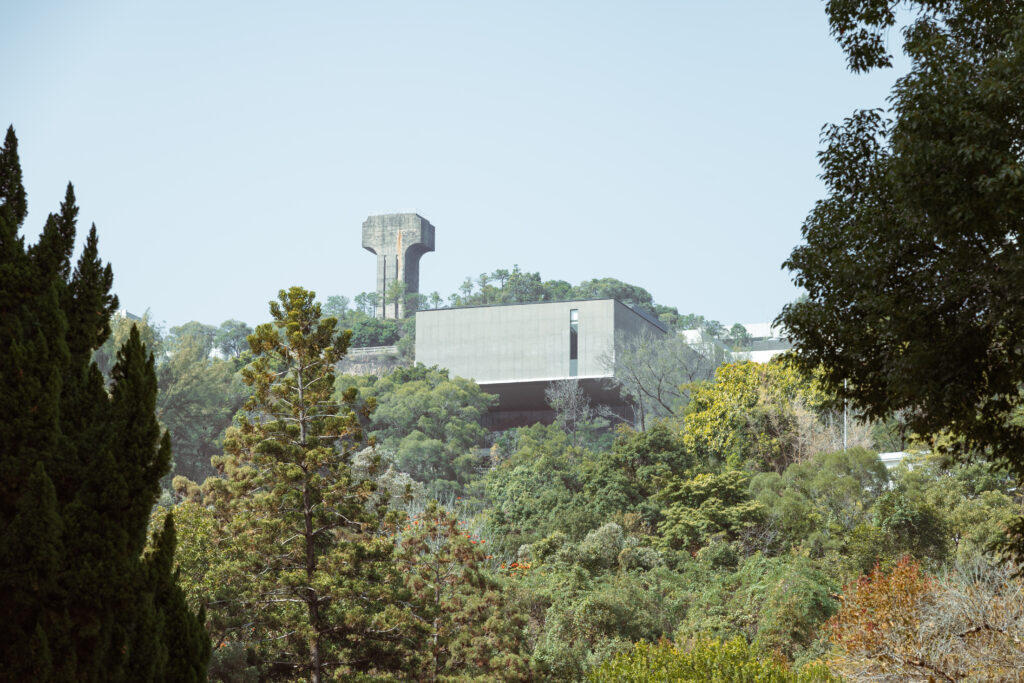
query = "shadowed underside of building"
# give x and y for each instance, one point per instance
(517, 350)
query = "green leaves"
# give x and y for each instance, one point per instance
(753, 415)
(913, 262)
(700, 508)
(305, 573)
(708, 660)
(79, 472)
(429, 421)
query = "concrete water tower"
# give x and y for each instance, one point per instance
(398, 240)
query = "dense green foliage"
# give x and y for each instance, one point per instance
(79, 470)
(684, 531)
(514, 286)
(368, 330)
(464, 626)
(744, 523)
(736, 518)
(309, 557)
(706, 507)
(769, 415)
(546, 485)
(310, 566)
(713, 661)
(199, 392)
(198, 381)
(913, 262)
(429, 422)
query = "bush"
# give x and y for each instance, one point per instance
(963, 625)
(707, 661)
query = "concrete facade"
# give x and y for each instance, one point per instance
(399, 240)
(516, 351)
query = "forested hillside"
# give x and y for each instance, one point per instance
(346, 526)
(736, 522)
(234, 503)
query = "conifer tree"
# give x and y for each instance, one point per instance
(30, 529)
(464, 628)
(310, 557)
(79, 472)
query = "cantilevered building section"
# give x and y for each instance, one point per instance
(517, 350)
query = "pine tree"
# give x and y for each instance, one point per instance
(310, 555)
(464, 628)
(79, 471)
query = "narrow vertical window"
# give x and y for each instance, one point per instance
(574, 342)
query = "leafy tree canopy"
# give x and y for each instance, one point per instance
(913, 262)
(815, 505)
(538, 489)
(758, 415)
(624, 478)
(699, 509)
(516, 286)
(199, 395)
(430, 422)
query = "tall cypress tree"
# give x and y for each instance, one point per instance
(31, 340)
(79, 472)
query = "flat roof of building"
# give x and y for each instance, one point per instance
(640, 312)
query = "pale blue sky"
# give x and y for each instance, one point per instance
(228, 150)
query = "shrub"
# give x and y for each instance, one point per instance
(707, 661)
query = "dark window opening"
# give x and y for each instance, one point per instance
(574, 342)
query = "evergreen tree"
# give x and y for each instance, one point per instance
(464, 627)
(79, 472)
(310, 559)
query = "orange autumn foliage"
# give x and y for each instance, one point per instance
(905, 625)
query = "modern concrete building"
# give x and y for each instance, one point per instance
(398, 240)
(517, 350)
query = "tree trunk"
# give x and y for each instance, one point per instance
(312, 603)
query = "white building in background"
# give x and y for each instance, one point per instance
(762, 351)
(893, 459)
(766, 342)
(764, 330)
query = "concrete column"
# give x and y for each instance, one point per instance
(398, 240)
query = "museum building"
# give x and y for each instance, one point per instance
(517, 350)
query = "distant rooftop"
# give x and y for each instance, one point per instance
(764, 330)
